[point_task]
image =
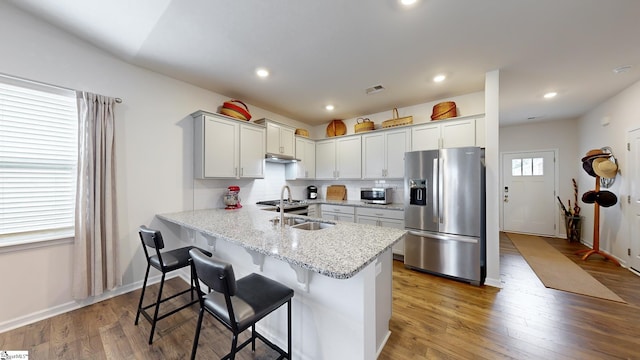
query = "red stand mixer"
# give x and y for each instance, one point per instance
(231, 198)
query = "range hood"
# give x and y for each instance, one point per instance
(280, 159)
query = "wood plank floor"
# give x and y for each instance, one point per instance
(433, 318)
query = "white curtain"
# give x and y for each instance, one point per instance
(96, 239)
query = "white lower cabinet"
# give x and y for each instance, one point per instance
(385, 218)
(338, 212)
(363, 215)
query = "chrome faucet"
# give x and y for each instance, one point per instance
(286, 187)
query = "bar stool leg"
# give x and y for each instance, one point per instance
(289, 329)
(144, 287)
(234, 345)
(253, 337)
(155, 313)
(197, 337)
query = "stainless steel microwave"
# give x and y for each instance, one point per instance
(375, 195)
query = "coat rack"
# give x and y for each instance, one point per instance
(593, 196)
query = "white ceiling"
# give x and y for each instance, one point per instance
(330, 51)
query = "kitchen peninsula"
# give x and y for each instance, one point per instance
(342, 275)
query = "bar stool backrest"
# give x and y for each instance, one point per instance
(215, 273)
(151, 238)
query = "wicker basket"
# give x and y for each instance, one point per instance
(397, 121)
(230, 108)
(302, 132)
(444, 110)
(364, 124)
(336, 128)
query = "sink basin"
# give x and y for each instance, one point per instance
(312, 225)
(291, 221)
(304, 224)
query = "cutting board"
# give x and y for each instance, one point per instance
(336, 192)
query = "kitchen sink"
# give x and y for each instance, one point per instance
(304, 224)
(312, 225)
(292, 221)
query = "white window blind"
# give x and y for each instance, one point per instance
(38, 157)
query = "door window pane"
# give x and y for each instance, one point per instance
(538, 166)
(516, 167)
(526, 167)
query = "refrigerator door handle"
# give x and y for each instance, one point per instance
(445, 237)
(434, 184)
(441, 189)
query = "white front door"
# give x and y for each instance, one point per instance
(529, 203)
(634, 193)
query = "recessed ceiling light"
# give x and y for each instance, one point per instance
(550, 95)
(439, 78)
(262, 72)
(329, 107)
(408, 2)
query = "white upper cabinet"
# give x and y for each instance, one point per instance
(306, 167)
(441, 134)
(339, 158)
(425, 137)
(280, 138)
(349, 162)
(326, 159)
(383, 153)
(226, 148)
(252, 145)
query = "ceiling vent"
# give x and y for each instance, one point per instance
(374, 89)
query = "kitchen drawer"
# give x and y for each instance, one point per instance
(383, 213)
(341, 209)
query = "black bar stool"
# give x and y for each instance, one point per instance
(165, 262)
(240, 304)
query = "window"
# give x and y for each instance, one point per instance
(38, 157)
(527, 167)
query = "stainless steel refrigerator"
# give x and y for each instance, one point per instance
(444, 212)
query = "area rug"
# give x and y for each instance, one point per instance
(557, 271)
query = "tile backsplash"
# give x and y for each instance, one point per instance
(208, 193)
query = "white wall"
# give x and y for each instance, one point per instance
(624, 115)
(492, 133)
(154, 137)
(561, 136)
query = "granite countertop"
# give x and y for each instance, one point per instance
(339, 252)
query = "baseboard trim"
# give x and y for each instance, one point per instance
(74, 305)
(493, 282)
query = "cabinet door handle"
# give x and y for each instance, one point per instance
(241, 171)
(235, 171)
